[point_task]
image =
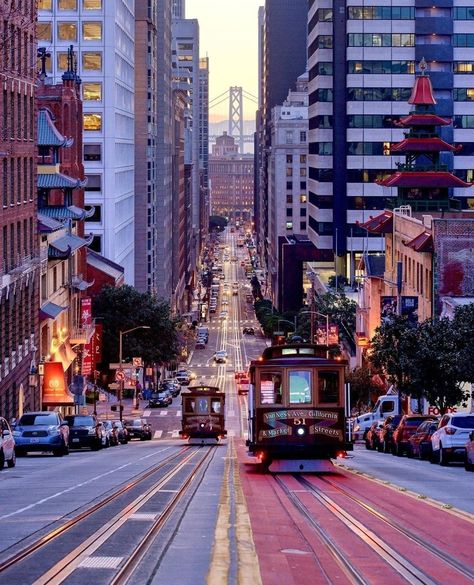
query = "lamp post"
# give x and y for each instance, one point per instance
(121, 376)
(312, 327)
(286, 321)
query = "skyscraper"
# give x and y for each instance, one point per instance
(204, 143)
(178, 8)
(103, 35)
(362, 61)
(283, 52)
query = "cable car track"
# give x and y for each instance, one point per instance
(27, 555)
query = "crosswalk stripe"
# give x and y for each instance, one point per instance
(163, 413)
(146, 413)
(174, 434)
(178, 413)
(157, 434)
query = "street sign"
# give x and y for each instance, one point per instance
(117, 366)
(119, 376)
(137, 362)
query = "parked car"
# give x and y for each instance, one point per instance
(469, 459)
(374, 436)
(120, 431)
(449, 440)
(248, 331)
(138, 428)
(7, 445)
(111, 438)
(386, 435)
(160, 399)
(419, 444)
(220, 357)
(405, 429)
(184, 377)
(86, 431)
(200, 344)
(41, 431)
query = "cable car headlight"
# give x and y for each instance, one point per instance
(301, 431)
(202, 425)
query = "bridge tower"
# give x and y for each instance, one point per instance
(236, 116)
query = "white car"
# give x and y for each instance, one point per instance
(448, 442)
(7, 445)
(469, 461)
(223, 315)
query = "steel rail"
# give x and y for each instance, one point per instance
(402, 565)
(455, 564)
(54, 534)
(70, 562)
(332, 547)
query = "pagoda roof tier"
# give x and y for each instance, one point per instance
(380, 224)
(47, 225)
(417, 119)
(63, 247)
(422, 243)
(434, 144)
(422, 92)
(59, 181)
(48, 134)
(61, 212)
(429, 179)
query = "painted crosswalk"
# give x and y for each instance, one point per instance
(157, 434)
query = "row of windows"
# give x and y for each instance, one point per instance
(382, 121)
(67, 31)
(463, 94)
(17, 116)
(321, 15)
(463, 122)
(376, 94)
(357, 148)
(91, 61)
(380, 13)
(70, 5)
(289, 225)
(380, 40)
(289, 212)
(17, 180)
(17, 48)
(377, 67)
(289, 158)
(358, 202)
(17, 243)
(353, 175)
(463, 40)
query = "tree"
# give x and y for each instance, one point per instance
(340, 309)
(217, 221)
(124, 308)
(363, 388)
(393, 347)
(437, 371)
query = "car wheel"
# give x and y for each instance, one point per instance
(12, 462)
(398, 450)
(65, 449)
(380, 447)
(107, 443)
(58, 452)
(2, 459)
(434, 457)
(443, 457)
(468, 466)
(367, 444)
(410, 451)
(20, 452)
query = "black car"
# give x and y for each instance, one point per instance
(85, 431)
(386, 434)
(120, 432)
(172, 385)
(138, 428)
(160, 399)
(248, 331)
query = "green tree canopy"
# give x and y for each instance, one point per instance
(363, 387)
(217, 221)
(123, 308)
(340, 309)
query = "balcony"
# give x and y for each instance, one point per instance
(81, 335)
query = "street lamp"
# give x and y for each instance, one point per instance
(312, 327)
(286, 321)
(121, 377)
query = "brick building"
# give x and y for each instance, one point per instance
(19, 269)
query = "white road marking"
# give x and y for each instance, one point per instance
(163, 413)
(78, 485)
(178, 413)
(146, 413)
(175, 434)
(101, 563)
(231, 413)
(157, 434)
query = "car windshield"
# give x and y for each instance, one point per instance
(38, 419)
(80, 421)
(463, 422)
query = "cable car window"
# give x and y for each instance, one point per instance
(271, 388)
(202, 406)
(300, 386)
(216, 406)
(190, 404)
(328, 383)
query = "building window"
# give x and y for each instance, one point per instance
(302, 225)
(303, 136)
(67, 31)
(45, 31)
(62, 61)
(289, 158)
(45, 5)
(289, 185)
(303, 198)
(67, 4)
(48, 65)
(96, 244)
(289, 198)
(92, 61)
(92, 4)
(289, 137)
(289, 212)
(302, 159)
(92, 152)
(92, 92)
(289, 225)
(93, 122)
(94, 183)
(96, 217)
(289, 171)
(92, 31)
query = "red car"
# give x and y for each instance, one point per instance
(406, 428)
(419, 444)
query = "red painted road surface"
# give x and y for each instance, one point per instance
(291, 552)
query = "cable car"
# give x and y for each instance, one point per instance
(297, 409)
(203, 420)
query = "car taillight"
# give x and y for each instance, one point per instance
(450, 431)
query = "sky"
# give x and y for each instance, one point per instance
(229, 37)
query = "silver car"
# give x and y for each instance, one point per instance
(7, 445)
(469, 460)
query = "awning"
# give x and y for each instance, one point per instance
(66, 245)
(80, 284)
(59, 181)
(46, 224)
(380, 224)
(60, 212)
(424, 145)
(422, 243)
(50, 311)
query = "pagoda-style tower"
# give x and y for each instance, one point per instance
(422, 181)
